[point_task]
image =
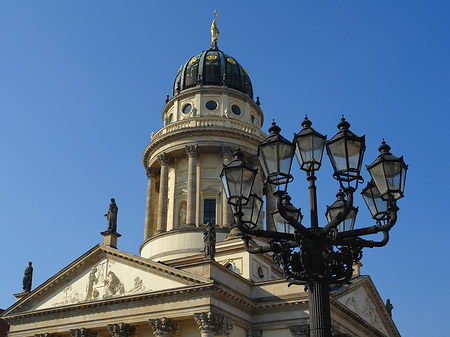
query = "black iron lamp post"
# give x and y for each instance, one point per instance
(316, 256)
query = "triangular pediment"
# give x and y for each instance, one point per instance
(363, 299)
(103, 274)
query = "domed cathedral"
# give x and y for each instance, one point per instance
(188, 282)
(211, 113)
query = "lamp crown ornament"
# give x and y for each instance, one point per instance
(343, 124)
(306, 123)
(384, 148)
(274, 129)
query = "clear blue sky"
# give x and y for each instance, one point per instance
(82, 85)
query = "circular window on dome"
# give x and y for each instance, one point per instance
(211, 57)
(187, 108)
(231, 60)
(211, 105)
(193, 60)
(236, 110)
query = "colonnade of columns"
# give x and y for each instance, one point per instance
(209, 323)
(192, 153)
(165, 160)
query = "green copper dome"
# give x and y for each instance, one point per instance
(213, 67)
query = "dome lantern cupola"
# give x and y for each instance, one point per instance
(213, 67)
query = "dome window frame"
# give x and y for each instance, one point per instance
(210, 107)
(239, 113)
(186, 106)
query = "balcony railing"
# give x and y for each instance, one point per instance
(208, 122)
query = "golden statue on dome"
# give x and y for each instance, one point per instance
(214, 32)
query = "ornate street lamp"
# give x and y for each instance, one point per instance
(346, 151)
(320, 255)
(237, 179)
(309, 146)
(374, 201)
(388, 173)
(275, 154)
(338, 207)
(252, 211)
(281, 224)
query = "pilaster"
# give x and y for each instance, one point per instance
(164, 327)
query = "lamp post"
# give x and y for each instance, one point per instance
(316, 256)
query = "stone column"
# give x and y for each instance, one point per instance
(271, 205)
(212, 324)
(192, 153)
(164, 159)
(227, 216)
(151, 175)
(82, 333)
(121, 330)
(164, 327)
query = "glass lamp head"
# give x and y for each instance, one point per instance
(275, 154)
(346, 152)
(309, 145)
(337, 207)
(388, 172)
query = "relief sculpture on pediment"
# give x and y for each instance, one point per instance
(101, 282)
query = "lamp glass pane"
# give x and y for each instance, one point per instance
(286, 152)
(338, 156)
(280, 224)
(354, 151)
(318, 149)
(333, 212)
(377, 174)
(248, 178)
(305, 149)
(393, 172)
(234, 177)
(268, 158)
(404, 168)
(225, 185)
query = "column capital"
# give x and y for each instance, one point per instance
(254, 333)
(121, 330)
(164, 158)
(227, 152)
(151, 172)
(192, 150)
(164, 327)
(300, 330)
(82, 333)
(213, 322)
